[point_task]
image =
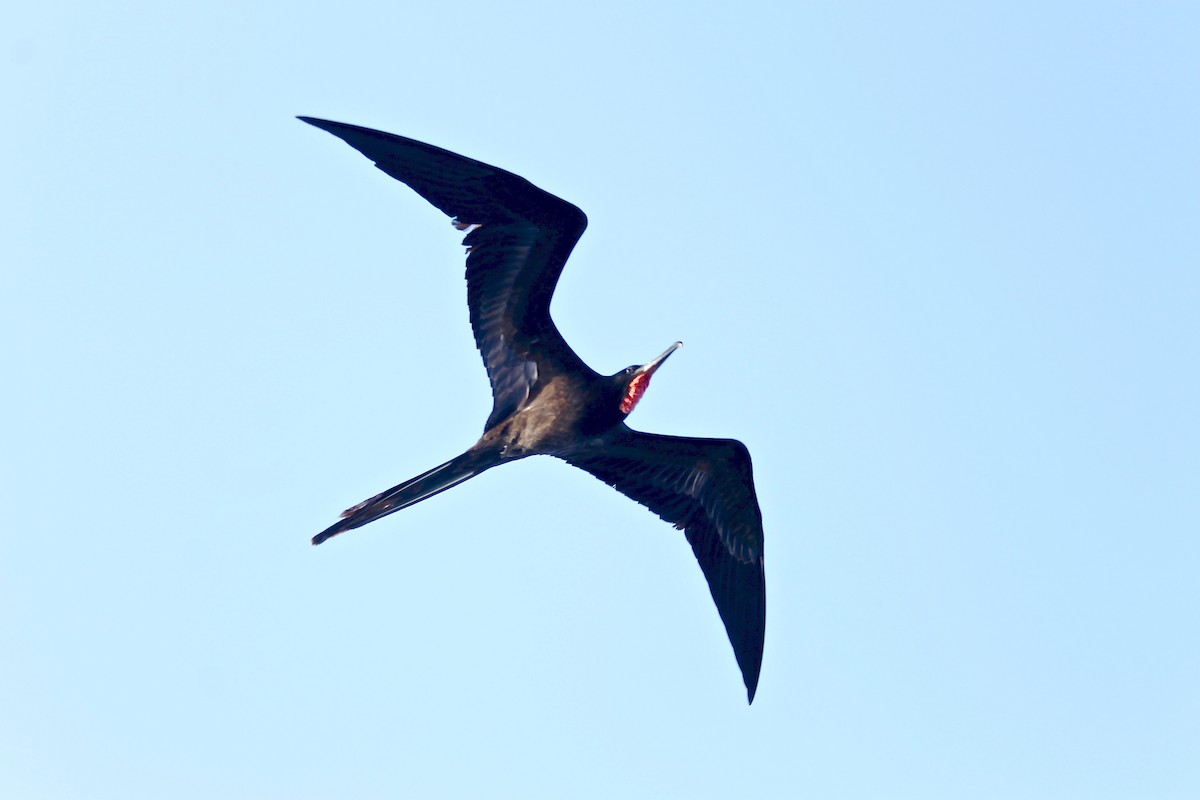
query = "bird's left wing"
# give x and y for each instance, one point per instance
(705, 487)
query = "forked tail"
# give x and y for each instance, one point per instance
(412, 491)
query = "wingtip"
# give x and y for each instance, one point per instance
(750, 675)
(323, 124)
(750, 691)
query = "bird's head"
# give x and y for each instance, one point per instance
(634, 380)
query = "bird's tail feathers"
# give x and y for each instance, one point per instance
(412, 491)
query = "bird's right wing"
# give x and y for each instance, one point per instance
(518, 239)
(705, 487)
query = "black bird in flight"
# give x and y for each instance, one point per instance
(548, 402)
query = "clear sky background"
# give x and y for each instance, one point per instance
(935, 263)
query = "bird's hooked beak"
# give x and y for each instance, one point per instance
(648, 369)
(636, 387)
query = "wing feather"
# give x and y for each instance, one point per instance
(519, 238)
(705, 487)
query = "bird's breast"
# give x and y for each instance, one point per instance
(560, 414)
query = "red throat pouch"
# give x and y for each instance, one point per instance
(634, 392)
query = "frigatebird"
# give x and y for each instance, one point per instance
(547, 401)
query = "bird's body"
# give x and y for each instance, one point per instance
(547, 401)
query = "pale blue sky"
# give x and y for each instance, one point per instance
(935, 265)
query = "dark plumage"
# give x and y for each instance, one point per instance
(546, 401)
